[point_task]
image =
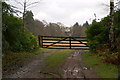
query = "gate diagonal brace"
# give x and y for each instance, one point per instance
(79, 41)
(56, 42)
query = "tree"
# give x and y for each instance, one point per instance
(29, 21)
(26, 5)
(84, 28)
(98, 33)
(15, 37)
(76, 30)
(39, 27)
(86, 24)
(34, 26)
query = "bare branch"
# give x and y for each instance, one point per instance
(109, 6)
(19, 3)
(25, 4)
(15, 7)
(105, 5)
(32, 4)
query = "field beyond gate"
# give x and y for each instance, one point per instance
(54, 42)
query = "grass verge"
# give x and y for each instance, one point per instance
(13, 60)
(56, 60)
(103, 70)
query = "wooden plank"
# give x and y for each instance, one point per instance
(51, 39)
(65, 43)
(58, 48)
(80, 48)
(40, 41)
(80, 41)
(70, 41)
(54, 37)
(56, 42)
(60, 37)
(58, 45)
(65, 46)
(60, 42)
(63, 40)
(47, 42)
(71, 48)
(75, 40)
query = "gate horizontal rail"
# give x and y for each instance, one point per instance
(64, 43)
(64, 40)
(60, 37)
(65, 46)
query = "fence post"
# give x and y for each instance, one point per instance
(70, 42)
(40, 41)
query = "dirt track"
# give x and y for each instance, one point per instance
(74, 69)
(71, 69)
(32, 69)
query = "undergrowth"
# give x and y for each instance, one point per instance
(101, 68)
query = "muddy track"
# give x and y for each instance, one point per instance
(73, 67)
(32, 69)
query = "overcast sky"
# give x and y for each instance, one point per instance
(68, 12)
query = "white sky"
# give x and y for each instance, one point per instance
(68, 12)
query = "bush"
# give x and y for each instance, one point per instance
(98, 32)
(97, 35)
(112, 58)
(15, 36)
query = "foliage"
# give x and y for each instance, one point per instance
(111, 58)
(41, 28)
(98, 32)
(117, 23)
(78, 30)
(15, 36)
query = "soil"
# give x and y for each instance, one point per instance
(72, 68)
(32, 69)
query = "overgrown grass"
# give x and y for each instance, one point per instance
(55, 61)
(13, 60)
(103, 70)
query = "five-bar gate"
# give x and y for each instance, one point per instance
(54, 42)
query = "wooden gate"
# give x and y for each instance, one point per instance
(54, 42)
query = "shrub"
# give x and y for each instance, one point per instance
(97, 35)
(112, 58)
(98, 32)
(15, 36)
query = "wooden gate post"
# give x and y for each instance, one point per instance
(40, 41)
(70, 42)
